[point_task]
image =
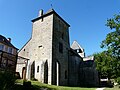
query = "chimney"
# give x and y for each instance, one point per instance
(40, 13)
(9, 39)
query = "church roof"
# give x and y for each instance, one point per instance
(75, 46)
(6, 42)
(51, 11)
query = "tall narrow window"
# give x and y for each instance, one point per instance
(65, 74)
(62, 35)
(37, 69)
(10, 50)
(60, 47)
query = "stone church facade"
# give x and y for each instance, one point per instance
(48, 57)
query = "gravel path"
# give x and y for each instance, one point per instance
(100, 88)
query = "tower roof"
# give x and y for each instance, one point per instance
(51, 11)
(75, 45)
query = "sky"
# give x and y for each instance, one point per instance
(87, 19)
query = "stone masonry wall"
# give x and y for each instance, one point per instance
(39, 48)
(60, 36)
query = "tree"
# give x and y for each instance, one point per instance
(112, 41)
(108, 62)
(104, 64)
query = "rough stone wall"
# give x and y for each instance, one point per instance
(74, 77)
(19, 69)
(25, 51)
(42, 42)
(39, 48)
(60, 36)
(88, 74)
(39, 75)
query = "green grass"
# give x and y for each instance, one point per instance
(114, 88)
(37, 85)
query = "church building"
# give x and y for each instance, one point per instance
(48, 57)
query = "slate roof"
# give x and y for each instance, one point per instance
(6, 42)
(75, 45)
(51, 11)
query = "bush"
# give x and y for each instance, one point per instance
(118, 80)
(7, 80)
(27, 85)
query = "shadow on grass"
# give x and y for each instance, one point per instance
(32, 87)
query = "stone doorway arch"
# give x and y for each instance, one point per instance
(33, 70)
(23, 73)
(46, 72)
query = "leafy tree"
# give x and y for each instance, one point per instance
(104, 64)
(108, 62)
(112, 41)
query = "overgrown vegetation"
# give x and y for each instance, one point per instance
(7, 80)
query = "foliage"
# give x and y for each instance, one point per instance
(104, 64)
(7, 80)
(115, 88)
(112, 44)
(118, 80)
(112, 41)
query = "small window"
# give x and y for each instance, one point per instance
(6, 48)
(60, 47)
(40, 46)
(37, 69)
(1, 47)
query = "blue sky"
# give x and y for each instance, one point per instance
(87, 19)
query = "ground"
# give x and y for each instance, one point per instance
(40, 86)
(114, 88)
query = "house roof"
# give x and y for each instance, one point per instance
(51, 11)
(6, 42)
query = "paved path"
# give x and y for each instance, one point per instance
(100, 88)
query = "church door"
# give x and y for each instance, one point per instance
(23, 73)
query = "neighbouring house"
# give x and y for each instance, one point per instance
(8, 54)
(48, 57)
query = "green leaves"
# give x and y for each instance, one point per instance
(105, 64)
(108, 62)
(112, 41)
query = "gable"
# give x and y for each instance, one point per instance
(76, 46)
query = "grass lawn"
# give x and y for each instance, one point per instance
(37, 85)
(115, 88)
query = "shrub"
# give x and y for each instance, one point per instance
(118, 80)
(7, 80)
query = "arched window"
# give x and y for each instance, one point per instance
(37, 69)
